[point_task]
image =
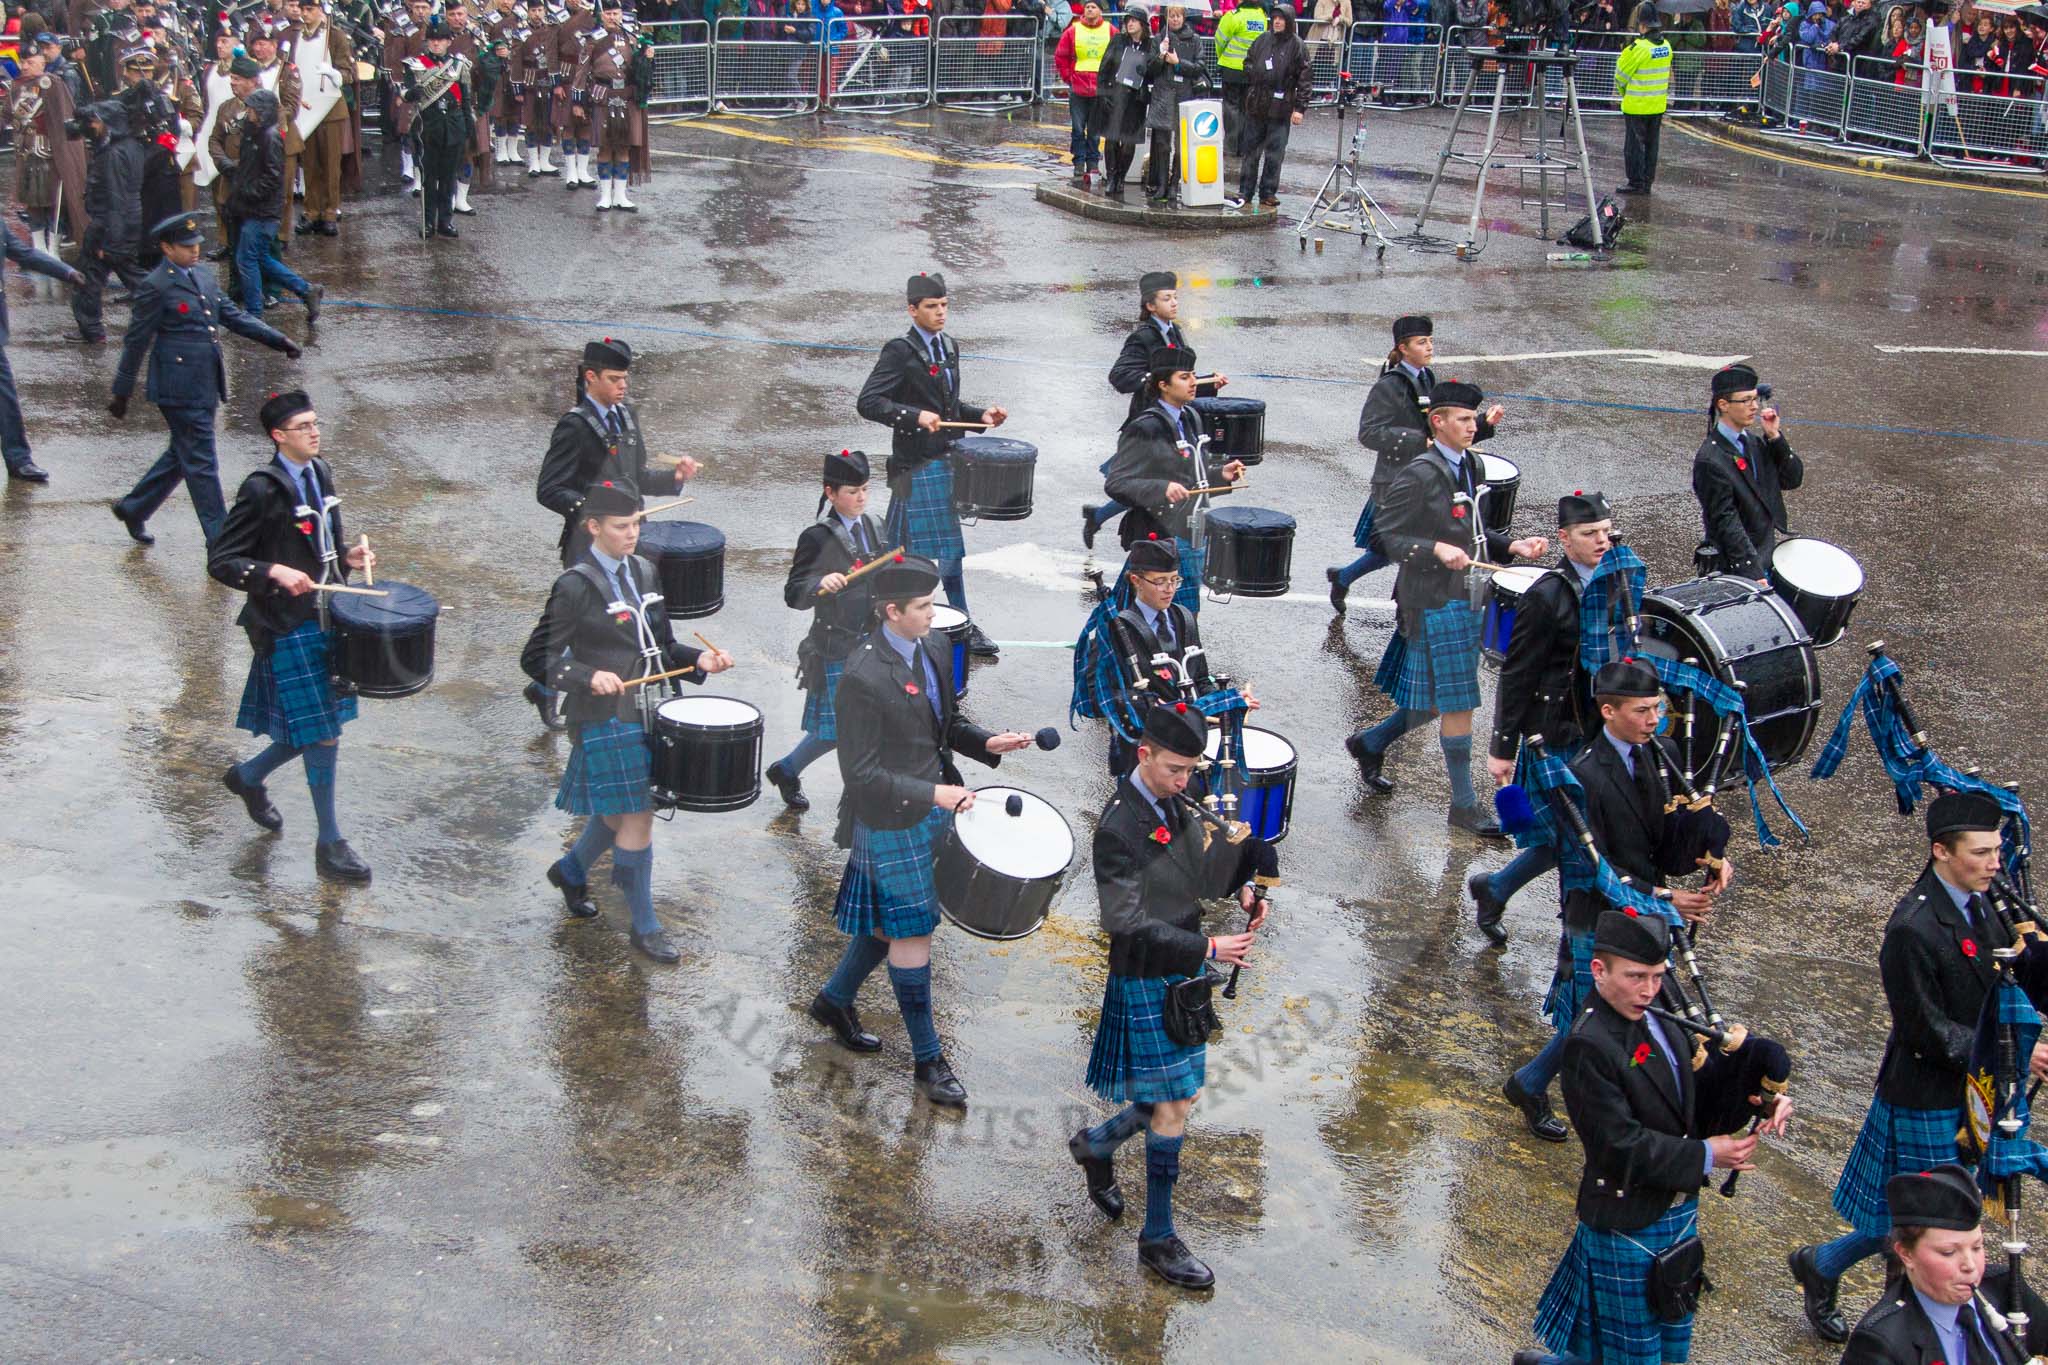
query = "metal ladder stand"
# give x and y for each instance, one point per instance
(1550, 156)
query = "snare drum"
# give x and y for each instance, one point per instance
(997, 873)
(1236, 427)
(1250, 551)
(707, 753)
(950, 624)
(1503, 480)
(1270, 765)
(1820, 582)
(1498, 627)
(992, 477)
(384, 646)
(689, 559)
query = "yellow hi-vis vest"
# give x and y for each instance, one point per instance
(1642, 76)
(1090, 44)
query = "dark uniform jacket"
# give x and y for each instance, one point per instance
(580, 453)
(1743, 511)
(1896, 1330)
(1543, 690)
(271, 524)
(892, 749)
(1151, 892)
(1134, 362)
(1626, 816)
(1417, 512)
(1936, 988)
(1394, 423)
(20, 253)
(1631, 1117)
(580, 635)
(1137, 646)
(902, 385)
(1151, 454)
(839, 619)
(176, 316)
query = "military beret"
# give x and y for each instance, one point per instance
(909, 576)
(1733, 379)
(923, 286)
(1455, 393)
(280, 408)
(1625, 678)
(1963, 813)
(1944, 1197)
(1176, 728)
(609, 499)
(1639, 938)
(180, 229)
(1579, 507)
(1153, 281)
(846, 468)
(1412, 325)
(1153, 556)
(1170, 359)
(244, 65)
(608, 354)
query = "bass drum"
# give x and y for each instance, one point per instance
(997, 873)
(1743, 633)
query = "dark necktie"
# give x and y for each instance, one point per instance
(860, 538)
(1646, 776)
(931, 679)
(612, 423)
(1973, 911)
(1165, 631)
(1973, 1344)
(628, 591)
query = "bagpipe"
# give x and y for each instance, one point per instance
(1263, 856)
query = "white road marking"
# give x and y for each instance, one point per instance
(1631, 356)
(1956, 350)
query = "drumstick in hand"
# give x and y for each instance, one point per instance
(369, 574)
(353, 592)
(704, 642)
(665, 507)
(1220, 488)
(963, 426)
(660, 677)
(894, 556)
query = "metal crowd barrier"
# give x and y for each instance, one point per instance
(982, 74)
(1397, 61)
(682, 69)
(1880, 112)
(1991, 132)
(1805, 102)
(766, 67)
(878, 75)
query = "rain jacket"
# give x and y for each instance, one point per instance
(113, 184)
(1234, 38)
(1642, 74)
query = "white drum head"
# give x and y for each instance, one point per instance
(947, 618)
(710, 712)
(1264, 751)
(1032, 844)
(1515, 580)
(1495, 469)
(1818, 567)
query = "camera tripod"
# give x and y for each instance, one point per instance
(1344, 204)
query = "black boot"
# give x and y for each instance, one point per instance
(1101, 1172)
(789, 785)
(1339, 590)
(936, 1081)
(1536, 1111)
(1475, 820)
(845, 1023)
(133, 525)
(575, 895)
(547, 703)
(1170, 1259)
(1088, 525)
(979, 645)
(655, 944)
(337, 862)
(255, 800)
(1818, 1291)
(1491, 907)
(1369, 765)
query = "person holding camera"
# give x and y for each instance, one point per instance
(113, 211)
(1278, 86)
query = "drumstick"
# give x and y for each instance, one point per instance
(963, 426)
(1220, 488)
(353, 592)
(658, 677)
(704, 642)
(369, 574)
(894, 556)
(672, 460)
(665, 507)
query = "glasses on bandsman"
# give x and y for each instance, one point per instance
(1172, 580)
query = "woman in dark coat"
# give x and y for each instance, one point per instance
(1126, 67)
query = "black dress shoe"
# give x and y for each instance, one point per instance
(337, 862)
(1536, 1111)
(307, 227)
(1088, 526)
(843, 1022)
(134, 527)
(979, 645)
(655, 944)
(1822, 1312)
(255, 799)
(1527, 1357)
(329, 229)
(790, 787)
(575, 895)
(1369, 765)
(936, 1082)
(1338, 590)
(313, 297)
(547, 703)
(28, 471)
(1476, 820)
(1101, 1176)
(446, 230)
(1491, 907)
(1170, 1259)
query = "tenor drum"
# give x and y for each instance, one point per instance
(1739, 632)
(992, 477)
(949, 629)
(1820, 582)
(997, 873)
(1503, 480)
(1250, 551)
(1498, 626)
(1236, 427)
(707, 754)
(1270, 767)
(384, 646)
(689, 558)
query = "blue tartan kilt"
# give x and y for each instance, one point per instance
(290, 692)
(1597, 1305)
(1570, 991)
(1133, 1060)
(608, 772)
(887, 890)
(1361, 534)
(1442, 675)
(925, 523)
(821, 704)
(1893, 1141)
(1192, 562)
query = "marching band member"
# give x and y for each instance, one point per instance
(841, 611)
(1155, 862)
(596, 635)
(914, 386)
(898, 725)
(1158, 325)
(1154, 627)
(318, 52)
(1937, 968)
(1429, 528)
(1740, 477)
(443, 124)
(282, 536)
(612, 79)
(533, 89)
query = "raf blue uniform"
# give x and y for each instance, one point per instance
(176, 319)
(13, 432)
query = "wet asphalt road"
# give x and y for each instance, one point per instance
(253, 1117)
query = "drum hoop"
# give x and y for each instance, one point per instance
(1073, 846)
(1863, 579)
(738, 727)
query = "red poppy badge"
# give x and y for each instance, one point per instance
(1642, 1054)
(1162, 835)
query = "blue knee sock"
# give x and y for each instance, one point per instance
(597, 836)
(1536, 1075)
(1526, 867)
(1834, 1258)
(956, 590)
(1392, 728)
(633, 873)
(913, 986)
(254, 770)
(864, 953)
(808, 750)
(1162, 1169)
(1360, 567)
(1458, 763)
(1105, 1137)
(320, 760)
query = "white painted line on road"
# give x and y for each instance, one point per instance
(1632, 356)
(1956, 350)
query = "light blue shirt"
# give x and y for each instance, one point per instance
(1729, 434)
(1152, 621)
(1165, 328)
(1662, 1041)
(1138, 782)
(1454, 457)
(1585, 573)
(1943, 1316)
(915, 660)
(931, 343)
(612, 575)
(1622, 747)
(855, 531)
(1959, 896)
(604, 414)
(1411, 371)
